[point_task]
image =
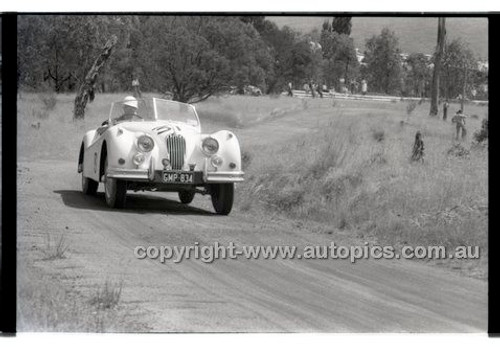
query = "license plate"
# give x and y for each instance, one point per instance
(178, 178)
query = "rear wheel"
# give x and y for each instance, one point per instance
(115, 191)
(222, 197)
(186, 197)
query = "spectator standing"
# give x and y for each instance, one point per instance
(418, 148)
(459, 119)
(311, 87)
(290, 92)
(318, 89)
(445, 110)
(136, 87)
(364, 87)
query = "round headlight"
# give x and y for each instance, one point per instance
(210, 145)
(145, 143)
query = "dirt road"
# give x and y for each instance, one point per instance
(232, 295)
(229, 295)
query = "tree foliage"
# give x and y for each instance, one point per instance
(338, 51)
(195, 57)
(340, 57)
(458, 60)
(418, 73)
(383, 61)
(342, 25)
(59, 50)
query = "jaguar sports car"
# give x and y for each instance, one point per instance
(157, 145)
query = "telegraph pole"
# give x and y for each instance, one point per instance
(441, 42)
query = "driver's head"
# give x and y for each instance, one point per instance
(130, 105)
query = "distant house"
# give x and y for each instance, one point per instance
(482, 66)
(360, 57)
(314, 46)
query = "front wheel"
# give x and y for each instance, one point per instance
(89, 186)
(186, 197)
(115, 191)
(222, 197)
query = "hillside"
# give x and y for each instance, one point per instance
(415, 34)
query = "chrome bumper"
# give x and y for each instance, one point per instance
(224, 177)
(144, 175)
(128, 174)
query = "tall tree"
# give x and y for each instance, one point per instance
(196, 57)
(441, 42)
(457, 63)
(418, 75)
(382, 57)
(58, 50)
(340, 57)
(342, 25)
(86, 89)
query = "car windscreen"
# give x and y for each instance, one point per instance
(122, 112)
(174, 111)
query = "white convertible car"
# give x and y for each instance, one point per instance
(157, 145)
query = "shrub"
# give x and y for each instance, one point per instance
(378, 135)
(285, 198)
(482, 134)
(458, 150)
(246, 159)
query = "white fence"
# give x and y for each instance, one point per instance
(297, 93)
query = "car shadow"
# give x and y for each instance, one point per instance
(139, 204)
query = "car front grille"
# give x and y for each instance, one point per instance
(176, 146)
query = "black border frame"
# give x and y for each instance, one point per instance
(8, 288)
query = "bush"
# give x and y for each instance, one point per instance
(246, 159)
(482, 134)
(378, 135)
(459, 151)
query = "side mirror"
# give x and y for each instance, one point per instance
(105, 123)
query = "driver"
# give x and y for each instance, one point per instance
(130, 105)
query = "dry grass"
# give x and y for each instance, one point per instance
(243, 111)
(45, 303)
(55, 250)
(53, 134)
(356, 175)
(108, 296)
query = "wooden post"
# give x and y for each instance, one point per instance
(464, 88)
(437, 66)
(86, 89)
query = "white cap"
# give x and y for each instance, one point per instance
(130, 101)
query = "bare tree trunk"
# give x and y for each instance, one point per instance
(464, 88)
(437, 66)
(86, 89)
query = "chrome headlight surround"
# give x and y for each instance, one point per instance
(145, 143)
(210, 146)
